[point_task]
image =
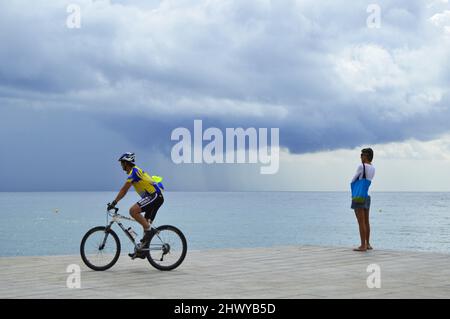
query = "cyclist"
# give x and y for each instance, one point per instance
(151, 199)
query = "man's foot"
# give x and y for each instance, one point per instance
(360, 248)
(137, 254)
(369, 247)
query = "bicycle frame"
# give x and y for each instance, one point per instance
(116, 217)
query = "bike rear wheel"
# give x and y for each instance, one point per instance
(168, 248)
(100, 248)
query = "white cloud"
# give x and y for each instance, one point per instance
(442, 21)
(402, 166)
(368, 68)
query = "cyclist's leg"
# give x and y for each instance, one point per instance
(150, 213)
(135, 212)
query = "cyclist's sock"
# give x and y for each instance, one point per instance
(146, 238)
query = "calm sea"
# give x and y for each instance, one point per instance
(54, 223)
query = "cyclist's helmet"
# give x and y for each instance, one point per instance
(128, 157)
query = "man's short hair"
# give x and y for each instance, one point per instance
(368, 152)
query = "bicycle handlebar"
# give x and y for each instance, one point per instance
(110, 207)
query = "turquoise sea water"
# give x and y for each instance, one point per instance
(54, 223)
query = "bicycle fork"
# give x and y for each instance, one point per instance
(107, 228)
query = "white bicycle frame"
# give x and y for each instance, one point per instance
(116, 217)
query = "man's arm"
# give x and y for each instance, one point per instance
(123, 191)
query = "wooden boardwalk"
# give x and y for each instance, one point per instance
(280, 272)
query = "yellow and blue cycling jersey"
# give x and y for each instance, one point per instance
(142, 182)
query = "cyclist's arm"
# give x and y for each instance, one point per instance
(123, 191)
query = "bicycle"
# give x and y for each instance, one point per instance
(100, 246)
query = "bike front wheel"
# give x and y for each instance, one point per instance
(167, 248)
(100, 248)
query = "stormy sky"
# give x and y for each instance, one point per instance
(73, 99)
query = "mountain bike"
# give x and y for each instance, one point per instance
(100, 246)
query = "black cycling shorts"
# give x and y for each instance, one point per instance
(150, 204)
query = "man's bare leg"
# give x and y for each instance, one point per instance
(136, 213)
(366, 213)
(360, 216)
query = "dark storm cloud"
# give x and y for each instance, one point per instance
(312, 69)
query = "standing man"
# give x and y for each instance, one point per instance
(364, 171)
